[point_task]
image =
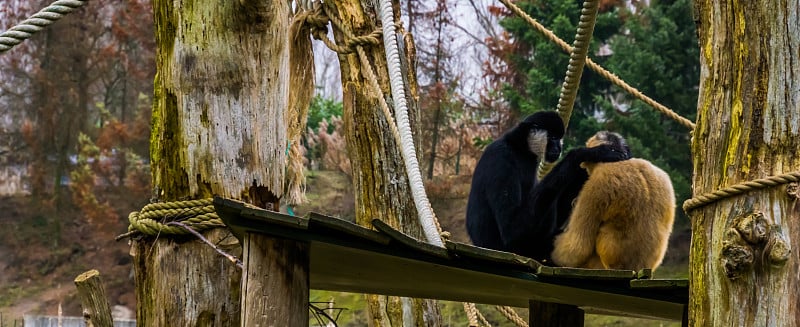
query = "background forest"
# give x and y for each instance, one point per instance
(75, 104)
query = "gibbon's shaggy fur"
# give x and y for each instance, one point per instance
(622, 217)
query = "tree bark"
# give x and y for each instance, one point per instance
(96, 311)
(744, 257)
(221, 91)
(380, 182)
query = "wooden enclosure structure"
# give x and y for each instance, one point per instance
(347, 257)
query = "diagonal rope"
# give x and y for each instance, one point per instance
(37, 22)
(711, 197)
(400, 126)
(577, 59)
(426, 216)
(597, 68)
(512, 315)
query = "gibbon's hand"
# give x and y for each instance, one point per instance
(601, 153)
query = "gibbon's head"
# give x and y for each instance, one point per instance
(545, 131)
(613, 139)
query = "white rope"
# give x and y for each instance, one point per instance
(426, 216)
(37, 22)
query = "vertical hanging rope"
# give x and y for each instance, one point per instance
(426, 216)
(37, 22)
(301, 91)
(577, 59)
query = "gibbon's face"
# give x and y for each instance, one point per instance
(543, 145)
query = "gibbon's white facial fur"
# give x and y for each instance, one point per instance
(537, 142)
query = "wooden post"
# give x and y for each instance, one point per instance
(93, 299)
(219, 128)
(275, 271)
(744, 258)
(546, 314)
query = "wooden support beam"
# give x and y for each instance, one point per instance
(546, 314)
(275, 282)
(96, 311)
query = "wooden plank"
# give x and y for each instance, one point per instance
(659, 283)
(554, 315)
(347, 227)
(348, 269)
(590, 274)
(484, 254)
(275, 281)
(343, 258)
(402, 238)
(273, 217)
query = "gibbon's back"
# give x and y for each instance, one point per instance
(622, 218)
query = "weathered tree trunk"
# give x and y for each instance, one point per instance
(379, 176)
(744, 254)
(218, 129)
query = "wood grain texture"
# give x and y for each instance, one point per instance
(276, 285)
(554, 315)
(748, 127)
(221, 91)
(221, 95)
(96, 311)
(187, 283)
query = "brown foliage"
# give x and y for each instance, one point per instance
(329, 150)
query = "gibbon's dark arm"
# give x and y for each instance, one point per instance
(551, 199)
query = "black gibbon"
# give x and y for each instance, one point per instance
(622, 217)
(499, 209)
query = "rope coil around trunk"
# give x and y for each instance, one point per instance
(730, 191)
(153, 219)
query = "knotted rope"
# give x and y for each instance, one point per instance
(37, 22)
(153, 219)
(730, 191)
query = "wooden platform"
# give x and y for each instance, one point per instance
(348, 257)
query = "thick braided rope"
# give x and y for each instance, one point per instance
(37, 22)
(427, 219)
(577, 59)
(730, 191)
(597, 68)
(482, 318)
(372, 81)
(153, 218)
(472, 314)
(512, 315)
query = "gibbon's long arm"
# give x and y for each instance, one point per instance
(551, 199)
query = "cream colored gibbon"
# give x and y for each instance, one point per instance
(622, 217)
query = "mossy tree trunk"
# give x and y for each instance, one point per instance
(221, 90)
(379, 176)
(744, 255)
